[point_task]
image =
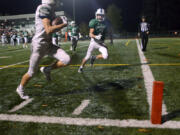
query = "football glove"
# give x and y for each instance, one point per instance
(98, 37)
(64, 19)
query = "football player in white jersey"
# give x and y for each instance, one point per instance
(42, 44)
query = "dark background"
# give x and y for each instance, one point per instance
(163, 15)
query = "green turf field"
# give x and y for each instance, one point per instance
(115, 90)
(167, 51)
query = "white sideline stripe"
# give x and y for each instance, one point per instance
(20, 106)
(12, 51)
(80, 108)
(5, 57)
(14, 64)
(89, 122)
(148, 79)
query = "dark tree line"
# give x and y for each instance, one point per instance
(162, 14)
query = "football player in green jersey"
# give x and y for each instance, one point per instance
(74, 34)
(97, 34)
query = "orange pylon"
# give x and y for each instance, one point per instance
(157, 98)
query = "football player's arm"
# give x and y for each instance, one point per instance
(51, 29)
(91, 35)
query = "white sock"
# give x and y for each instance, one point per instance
(20, 86)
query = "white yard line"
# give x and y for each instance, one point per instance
(89, 122)
(80, 108)
(148, 79)
(5, 57)
(13, 51)
(15, 64)
(20, 106)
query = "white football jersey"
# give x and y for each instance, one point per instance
(43, 11)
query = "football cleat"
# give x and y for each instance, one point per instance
(80, 70)
(46, 72)
(93, 58)
(20, 92)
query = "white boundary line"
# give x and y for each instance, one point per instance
(14, 51)
(89, 122)
(80, 108)
(5, 57)
(18, 107)
(14, 64)
(148, 79)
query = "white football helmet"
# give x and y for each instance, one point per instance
(100, 14)
(49, 2)
(73, 23)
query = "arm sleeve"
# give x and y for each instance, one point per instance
(91, 24)
(44, 12)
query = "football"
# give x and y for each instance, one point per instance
(57, 21)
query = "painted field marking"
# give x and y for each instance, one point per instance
(97, 65)
(89, 122)
(148, 79)
(20, 106)
(128, 42)
(14, 51)
(80, 108)
(14, 64)
(5, 57)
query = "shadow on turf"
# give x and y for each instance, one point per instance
(115, 68)
(170, 116)
(98, 87)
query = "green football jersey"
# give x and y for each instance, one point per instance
(54, 35)
(74, 30)
(100, 28)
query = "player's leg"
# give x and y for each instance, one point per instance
(71, 47)
(146, 41)
(143, 41)
(87, 57)
(75, 44)
(33, 67)
(103, 55)
(62, 57)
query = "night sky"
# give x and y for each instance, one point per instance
(85, 9)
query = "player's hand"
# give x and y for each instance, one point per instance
(98, 37)
(147, 32)
(64, 19)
